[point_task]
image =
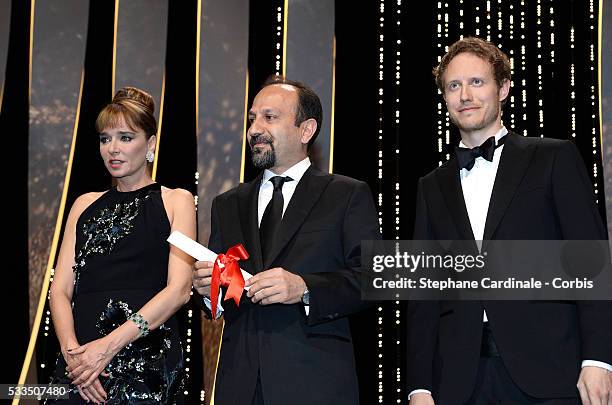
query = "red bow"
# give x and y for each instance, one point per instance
(228, 276)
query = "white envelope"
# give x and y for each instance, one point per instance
(197, 251)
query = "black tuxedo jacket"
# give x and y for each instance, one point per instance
(300, 359)
(541, 192)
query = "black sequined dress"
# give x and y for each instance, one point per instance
(121, 263)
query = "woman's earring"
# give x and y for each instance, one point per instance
(150, 156)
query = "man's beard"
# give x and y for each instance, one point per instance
(263, 159)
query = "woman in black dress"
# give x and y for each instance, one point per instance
(118, 283)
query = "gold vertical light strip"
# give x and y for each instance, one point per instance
(58, 227)
(197, 67)
(212, 395)
(333, 108)
(599, 66)
(197, 97)
(33, 5)
(197, 123)
(4, 78)
(159, 125)
(244, 138)
(242, 163)
(285, 15)
(38, 317)
(116, 23)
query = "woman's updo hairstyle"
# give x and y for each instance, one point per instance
(132, 105)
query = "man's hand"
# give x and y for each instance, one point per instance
(275, 286)
(595, 386)
(202, 277)
(421, 398)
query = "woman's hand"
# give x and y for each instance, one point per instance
(91, 360)
(95, 393)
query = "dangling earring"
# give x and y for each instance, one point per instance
(150, 156)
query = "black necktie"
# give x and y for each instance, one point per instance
(467, 157)
(272, 216)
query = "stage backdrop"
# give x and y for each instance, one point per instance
(384, 122)
(605, 57)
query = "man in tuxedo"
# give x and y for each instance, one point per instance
(502, 186)
(288, 342)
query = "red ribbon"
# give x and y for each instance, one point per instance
(228, 276)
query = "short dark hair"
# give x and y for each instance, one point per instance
(498, 60)
(308, 104)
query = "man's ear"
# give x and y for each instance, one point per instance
(504, 90)
(308, 129)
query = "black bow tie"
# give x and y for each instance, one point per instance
(467, 157)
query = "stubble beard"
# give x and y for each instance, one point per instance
(489, 118)
(263, 159)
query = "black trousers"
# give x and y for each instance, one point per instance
(494, 384)
(258, 398)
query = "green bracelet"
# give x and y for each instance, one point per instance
(142, 323)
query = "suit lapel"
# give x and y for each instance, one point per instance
(513, 164)
(450, 187)
(307, 193)
(248, 196)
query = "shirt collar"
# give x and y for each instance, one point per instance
(295, 172)
(498, 135)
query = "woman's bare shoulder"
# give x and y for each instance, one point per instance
(176, 195)
(84, 201)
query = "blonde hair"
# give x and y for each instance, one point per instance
(500, 64)
(132, 105)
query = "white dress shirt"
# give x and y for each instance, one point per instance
(266, 189)
(477, 185)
